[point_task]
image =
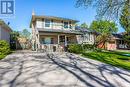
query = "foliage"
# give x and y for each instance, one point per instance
(126, 38)
(14, 35)
(104, 28)
(4, 48)
(113, 58)
(88, 47)
(125, 18)
(26, 33)
(84, 25)
(109, 9)
(79, 48)
(2, 56)
(75, 48)
(125, 22)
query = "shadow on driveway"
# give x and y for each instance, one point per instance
(31, 69)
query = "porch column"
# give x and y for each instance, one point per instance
(65, 40)
(37, 42)
(58, 39)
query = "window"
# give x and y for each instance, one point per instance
(47, 23)
(48, 40)
(66, 25)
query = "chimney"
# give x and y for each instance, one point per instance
(33, 13)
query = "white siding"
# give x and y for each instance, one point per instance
(56, 24)
(39, 23)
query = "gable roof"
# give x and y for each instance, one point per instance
(2, 23)
(34, 17)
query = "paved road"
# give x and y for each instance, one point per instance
(31, 69)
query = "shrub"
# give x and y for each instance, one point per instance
(88, 47)
(4, 47)
(75, 48)
(2, 56)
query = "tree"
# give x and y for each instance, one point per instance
(105, 29)
(84, 25)
(125, 19)
(13, 39)
(110, 9)
(25, 33)
(125, 23)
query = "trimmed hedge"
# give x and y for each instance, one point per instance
(4, 48)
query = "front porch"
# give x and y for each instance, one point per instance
(55, 42)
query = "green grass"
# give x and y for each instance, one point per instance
(113, 58)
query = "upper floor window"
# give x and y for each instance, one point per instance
(47, 23)
(66, 24)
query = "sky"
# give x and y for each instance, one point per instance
(60, 8)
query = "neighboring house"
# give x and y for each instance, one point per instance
(115, 42)
(4, 31)
(51, 33)
(87, 37)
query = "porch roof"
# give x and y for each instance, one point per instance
(76, 32)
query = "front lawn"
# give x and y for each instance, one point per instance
(114, 58)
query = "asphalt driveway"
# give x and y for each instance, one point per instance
(31, 69)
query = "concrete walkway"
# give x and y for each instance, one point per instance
(31, 69)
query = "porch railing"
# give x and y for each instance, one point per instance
(51, 48)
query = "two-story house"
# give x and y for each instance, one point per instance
(51, 33)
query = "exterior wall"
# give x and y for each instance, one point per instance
(56, 24)
(102, 45)
(51, 36)
(73, 39)
(33, 37)
(111, 45)
(4, 34)
(88, 38)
